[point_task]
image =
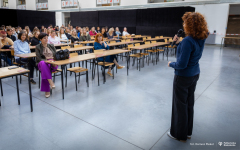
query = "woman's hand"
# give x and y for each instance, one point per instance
(176, 38)
(169, 63)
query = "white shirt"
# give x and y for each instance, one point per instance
(125, 33)
(64, 37)
(54, 40)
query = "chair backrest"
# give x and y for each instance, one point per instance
(73, 54)
(12, 52)
(166, 41)
(157, 36)
(128, 40)
(144, 39)
(65, 47)
(154, 41)
(170, 40)
(112, 41)
(161, 36)
(137, 44)
(123, 37)
(129, 46)
(78, 45)
(123, 40)
(149, 37)
(98, 51)
(129, 36)
(147, 42)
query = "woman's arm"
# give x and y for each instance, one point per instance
(185, 51)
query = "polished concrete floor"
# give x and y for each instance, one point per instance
(127, 113)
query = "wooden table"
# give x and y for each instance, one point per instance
(5, 73)
(237, 38)
(86, 57)
(135, 37)
(157, 39)
(123, 43)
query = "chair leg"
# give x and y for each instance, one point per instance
(87, 79)
(20, 79)
(76, 80)
(78, 77)
(39, 80)
(66, 80)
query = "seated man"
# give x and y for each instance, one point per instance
(10, 34)
(6, 43)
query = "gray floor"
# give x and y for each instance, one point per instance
(128, 113)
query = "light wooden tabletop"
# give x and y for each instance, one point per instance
(5, 72)
(155, 39)
(87, 57)
(28, 55)
(135, 37)
(6, 50)
(149, 45)
(122, 43)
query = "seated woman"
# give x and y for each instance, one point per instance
(80, 30)
(74, 38)
(118, 33)
(100, 44)
(98, 30)
(44, 52)
(53, 39)
(62, 35)
(22, 47)
(35, 41)
(85, 36)
(110, 33)
(92, 32)
(104, 33)
(6, 43)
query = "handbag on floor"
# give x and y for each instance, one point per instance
(62, 55)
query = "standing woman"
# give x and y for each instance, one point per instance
(45, 52)
(100, 44)
(187, 71)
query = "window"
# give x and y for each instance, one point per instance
(42, 4)
(66, 4)
(101, 3)
(21, 4)
(4, 4)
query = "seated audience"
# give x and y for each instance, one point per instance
(44, 52)
(62, 35)
(125, 33)
(74, 38)
(14, 33)
(53, 39)
(85, 36)
(42, 29)
(35, 41)
(104, 33)
(6, 43)
(67, 32)
(100, 44)
(118, 33)
(92, 32)
(22, 47)
(79, 32)
(49, 31)
(87, 29)
(10, 34)
(110, 33)
(98, 30)
(106, 29)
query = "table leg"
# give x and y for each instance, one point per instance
(98, 73)
(17, 90)
(1, 87)
(62, 67)
(127, 61)
(104, 77)
(167, 53)
(30, 92)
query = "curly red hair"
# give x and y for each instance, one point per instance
(96, 38)
(195, 25)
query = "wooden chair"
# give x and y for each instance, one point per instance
(148, 42)
(123, 40)
(157, 37)
(161, 36)
(137, 44)
(144, 39)
(149, 37)
(154, 42)
(77, 70)
(137, 56)
(65, 47)
(128, 40)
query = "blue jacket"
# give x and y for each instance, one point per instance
(99, 46)
(78, 35)
(189, 52)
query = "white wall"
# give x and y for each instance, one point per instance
(59, 18)
(87, 3)
(217, 18)
(12, 4)
(133, 2)
(54, 5)
(30, 4)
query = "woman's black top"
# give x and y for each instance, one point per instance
(35, 41)
(74, 39)
(105, 35)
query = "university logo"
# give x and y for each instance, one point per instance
(220, 143)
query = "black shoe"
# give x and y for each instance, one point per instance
(32, 81)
